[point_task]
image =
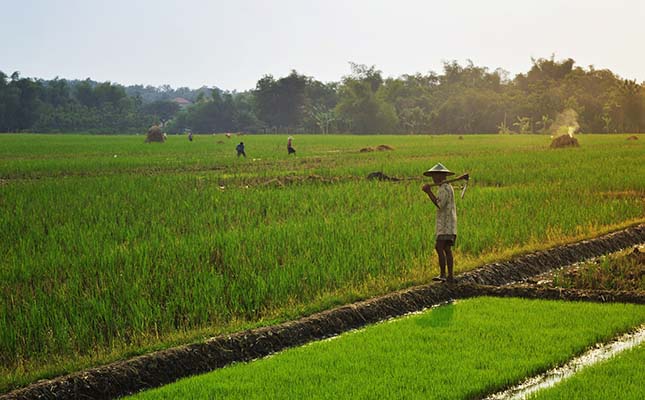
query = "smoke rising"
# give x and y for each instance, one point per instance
(566, 123)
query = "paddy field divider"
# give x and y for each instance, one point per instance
(162, 367)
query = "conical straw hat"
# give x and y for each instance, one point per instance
(438, 169)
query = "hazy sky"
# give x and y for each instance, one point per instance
(231, 44)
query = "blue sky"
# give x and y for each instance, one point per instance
(231, 44)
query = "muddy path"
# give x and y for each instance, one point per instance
(162, 367)
(545, 293)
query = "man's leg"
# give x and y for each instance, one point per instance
(449, 259)
(440, 248)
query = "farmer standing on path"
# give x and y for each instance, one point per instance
(446, 227)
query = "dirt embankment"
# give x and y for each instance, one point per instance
(159, 368)
(547, 293)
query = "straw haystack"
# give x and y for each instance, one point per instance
(155, 135)
(564, 141)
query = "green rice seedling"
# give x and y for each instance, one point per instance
(168, 243)
(622, 271)
(619, 378)
(463, 350)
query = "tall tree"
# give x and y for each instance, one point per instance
(163, 110)
(362, 105)
(280, 103)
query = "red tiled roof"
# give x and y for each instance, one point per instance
(181, 100)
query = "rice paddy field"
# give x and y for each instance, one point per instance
(464, 350)
(622, 271)
(112, 247)
(620, 378)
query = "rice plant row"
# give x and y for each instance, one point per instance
(464, 350)
(111, 246)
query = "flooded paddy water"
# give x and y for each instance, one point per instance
(550, 378)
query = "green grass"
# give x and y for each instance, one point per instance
(456, 351)
(622, 271)
(105, 256)
(619, 378)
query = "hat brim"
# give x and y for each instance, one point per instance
(430, 173)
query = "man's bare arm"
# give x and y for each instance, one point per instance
(428, 190)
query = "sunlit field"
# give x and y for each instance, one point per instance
(456, 351)
(619, 378)
(112, 247)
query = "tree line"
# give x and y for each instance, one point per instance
(462, 99)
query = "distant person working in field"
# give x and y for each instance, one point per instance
(290, 149)
(240, 149)
(446, 226)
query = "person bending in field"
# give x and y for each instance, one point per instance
(240, 150)
(290, 149)
(446, 226)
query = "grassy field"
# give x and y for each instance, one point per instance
(620, 378)
(622, 271)
(457, 351)
(112, 247)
